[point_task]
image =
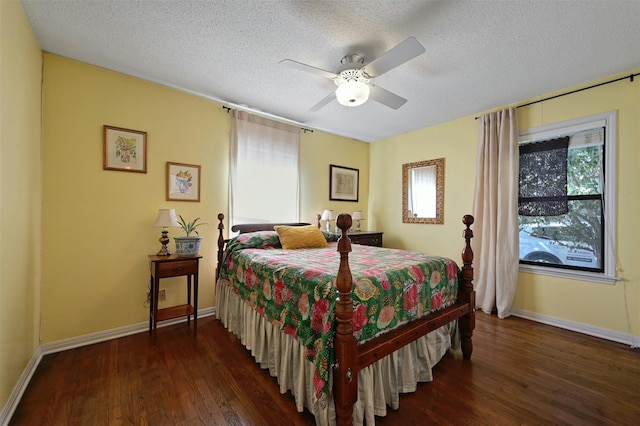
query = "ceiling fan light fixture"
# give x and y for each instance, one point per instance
(352, 93)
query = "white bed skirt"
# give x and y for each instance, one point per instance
(379, 385)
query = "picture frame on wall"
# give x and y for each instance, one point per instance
(124, 150)
(343, 183)
(183, 182)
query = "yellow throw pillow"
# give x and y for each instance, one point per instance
(295, 237)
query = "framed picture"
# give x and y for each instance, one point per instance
(343, 183)
(125, 150)
(183, 182)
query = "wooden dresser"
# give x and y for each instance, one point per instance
(367, 238)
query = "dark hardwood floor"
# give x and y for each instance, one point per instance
(521, 373)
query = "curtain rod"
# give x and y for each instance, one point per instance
(304, 129)
(630, 77)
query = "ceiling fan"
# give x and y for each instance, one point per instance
(353, 78)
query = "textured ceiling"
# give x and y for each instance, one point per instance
(479, 54)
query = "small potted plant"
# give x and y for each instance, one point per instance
(189, 245)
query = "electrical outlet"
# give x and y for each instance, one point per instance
(162, 295)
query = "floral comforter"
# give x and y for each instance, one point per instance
(294, 289)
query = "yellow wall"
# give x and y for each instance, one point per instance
(20, 192)
(97, 224)
(612, 307)
(449, 141)
(317, 153)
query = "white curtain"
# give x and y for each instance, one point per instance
(263, 170)
(495, 208)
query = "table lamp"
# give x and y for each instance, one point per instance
(357, 216)
(166, 218)
(328, 216)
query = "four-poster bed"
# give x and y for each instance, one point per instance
(246, 301)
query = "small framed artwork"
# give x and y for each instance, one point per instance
(343, 183)
(125, 150)
(183, 182)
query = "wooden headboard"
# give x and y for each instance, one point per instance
(255, 227)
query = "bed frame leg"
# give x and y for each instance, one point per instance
(468, 322)
(221, 242)
(467, 325)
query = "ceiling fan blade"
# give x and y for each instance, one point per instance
(327, 99)
(396, 56)
(386, 97)
(308, 68)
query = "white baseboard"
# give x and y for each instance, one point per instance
(603, 333)
(20, 387)
(76, 342)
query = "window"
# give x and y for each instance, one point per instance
(566, 199)
(263, 170)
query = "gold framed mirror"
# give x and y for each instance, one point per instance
(423, 192)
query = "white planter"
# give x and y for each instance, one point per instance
(187, 246)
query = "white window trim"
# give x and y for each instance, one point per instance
(608, 120)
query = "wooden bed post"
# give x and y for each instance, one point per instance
(467, 294)
(220, 244)
(345, 378)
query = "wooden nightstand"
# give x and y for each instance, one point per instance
(367, 238)
(173, 266)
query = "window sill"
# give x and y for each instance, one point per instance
(569, 274)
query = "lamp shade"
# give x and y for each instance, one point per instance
(166, 217)
(352, 93)
(327, 215)
(357, 215)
